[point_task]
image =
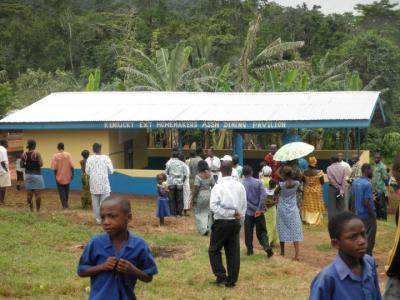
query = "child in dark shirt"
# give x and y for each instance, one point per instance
(115, 260)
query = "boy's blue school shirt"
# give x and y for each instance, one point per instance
(112, 284)
(338, 282)
(362, 190)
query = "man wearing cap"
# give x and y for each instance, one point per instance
(213, 163)
(235, 174)
(5, 179)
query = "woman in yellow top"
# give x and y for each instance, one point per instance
(313, 204)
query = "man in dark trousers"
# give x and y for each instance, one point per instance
(364, 204)
(64, 173)
(228, 204)
(256, 196)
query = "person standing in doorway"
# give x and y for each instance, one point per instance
(228, 204)
(256, 196)
(380, 175)
(176, 175)
(5, 178)
(32, 161)
(337, 184)
(64, 173)
(213, 163)
(364, 204)
(98, 168)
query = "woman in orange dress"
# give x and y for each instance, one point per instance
(313, 204)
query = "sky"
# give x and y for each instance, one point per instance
(330, 6)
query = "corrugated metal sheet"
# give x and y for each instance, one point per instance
(182, 106)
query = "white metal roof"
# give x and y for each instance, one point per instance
(185, 106)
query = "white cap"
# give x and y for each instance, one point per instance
(266, 171)
(226, 158)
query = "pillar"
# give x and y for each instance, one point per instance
(238, 146)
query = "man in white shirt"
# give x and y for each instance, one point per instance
(213, 163)
(228, 204)
(347, 191)
(5, 179)
(98, 167)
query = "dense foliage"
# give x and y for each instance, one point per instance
(209, 45)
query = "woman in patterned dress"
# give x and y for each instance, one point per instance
(313, 205)
(288, 216)
(203, 184)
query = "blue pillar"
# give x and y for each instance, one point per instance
(238, 146)
(346, 139)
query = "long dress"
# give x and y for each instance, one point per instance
(270, 214)
(288, 216)
(202, 209)
(313, 205)
(186, 190)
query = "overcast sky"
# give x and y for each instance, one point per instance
(330, 6)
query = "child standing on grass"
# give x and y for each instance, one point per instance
(115, 260)
(288, 216)
(352, 275)
(162, 202)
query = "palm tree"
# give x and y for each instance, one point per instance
(271, 58)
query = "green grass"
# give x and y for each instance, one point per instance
(39, 255)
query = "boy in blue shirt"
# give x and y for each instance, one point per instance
(352, 275)
(116, 259)
(364, 204)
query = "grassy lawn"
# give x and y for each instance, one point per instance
(39, 255)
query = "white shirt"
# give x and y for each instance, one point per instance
(98, 167)
(214, 164)
(235, 175)
(18, 165)
(3, 157)
(227, 197)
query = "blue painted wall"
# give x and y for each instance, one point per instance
(120, 183)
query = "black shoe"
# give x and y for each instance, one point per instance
(230, 285)
(269, 252)
(219, 281)
(250, 252)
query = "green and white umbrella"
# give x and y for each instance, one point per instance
(293, 151)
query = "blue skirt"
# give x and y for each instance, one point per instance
(34, 182)
(163, 207)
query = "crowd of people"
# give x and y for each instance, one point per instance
(275, 201)
(95, 171)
